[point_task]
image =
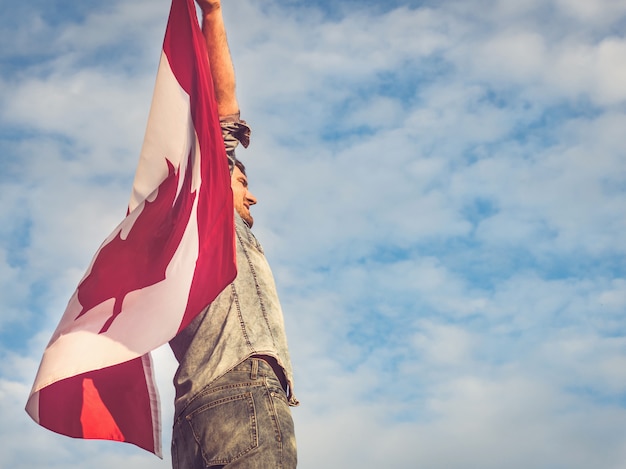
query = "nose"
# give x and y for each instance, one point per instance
(250, 198)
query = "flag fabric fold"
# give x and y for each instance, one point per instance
(167, 260)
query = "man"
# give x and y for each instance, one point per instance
(234, 380)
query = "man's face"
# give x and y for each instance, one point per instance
(242, 197)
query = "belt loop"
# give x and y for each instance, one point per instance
(255, 368)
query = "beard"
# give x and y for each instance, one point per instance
(244, 213)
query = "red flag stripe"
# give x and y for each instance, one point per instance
(198, 83)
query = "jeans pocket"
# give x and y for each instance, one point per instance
(283, 421)
(225, 429)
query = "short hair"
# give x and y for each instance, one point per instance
(241, 167)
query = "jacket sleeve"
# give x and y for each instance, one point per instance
(234, 132)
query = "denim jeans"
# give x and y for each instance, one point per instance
(241, 420)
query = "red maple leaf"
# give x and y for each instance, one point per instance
(140, 260)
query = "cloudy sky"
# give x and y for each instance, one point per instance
(441, 195)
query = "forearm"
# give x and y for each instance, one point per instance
(220, 60)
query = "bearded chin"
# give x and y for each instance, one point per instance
(245, 216)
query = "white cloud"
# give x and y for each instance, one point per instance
(605, 11)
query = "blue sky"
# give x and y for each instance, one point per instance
(441, 196)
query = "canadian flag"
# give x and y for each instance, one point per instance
(168, 259)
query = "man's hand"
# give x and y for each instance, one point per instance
(209, 6)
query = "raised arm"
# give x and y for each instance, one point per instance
(222, 68)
